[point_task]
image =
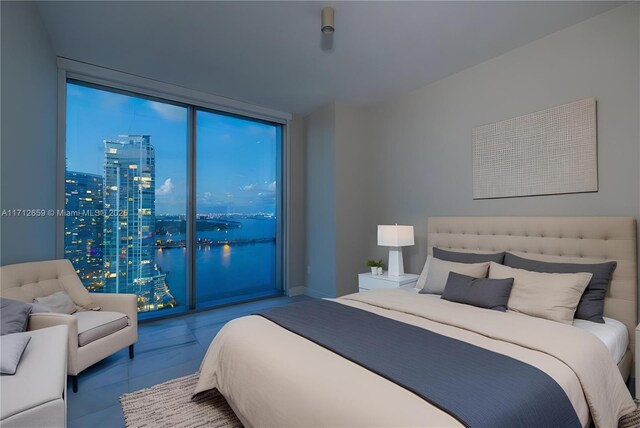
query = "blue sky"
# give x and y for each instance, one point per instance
(236, 158)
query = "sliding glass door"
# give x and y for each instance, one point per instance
(128, 228)
(237, 213)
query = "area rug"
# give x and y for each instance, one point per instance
(632, 420)
(169, 404)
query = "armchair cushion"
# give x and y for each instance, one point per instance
(40, 378)
(96, 325)
(14, 316)
(59, 303)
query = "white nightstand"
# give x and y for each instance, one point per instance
(368, 281)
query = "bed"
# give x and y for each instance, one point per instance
(273, 377)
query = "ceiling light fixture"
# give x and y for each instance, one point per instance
(327, 20)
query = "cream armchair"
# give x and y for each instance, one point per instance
(93, 334)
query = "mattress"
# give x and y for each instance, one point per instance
(612, 333)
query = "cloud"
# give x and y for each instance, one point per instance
(112, 100)
(272, 186)
(166, 188)
(169, 111)
(249, 187)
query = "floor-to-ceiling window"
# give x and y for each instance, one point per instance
(127, 187)
(236, 207)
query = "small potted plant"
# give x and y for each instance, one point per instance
(376, 266)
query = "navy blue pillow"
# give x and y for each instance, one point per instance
(488, 293)
(455, 256)
(591, 306)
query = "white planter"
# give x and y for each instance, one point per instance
(374, 270)
(379, 271)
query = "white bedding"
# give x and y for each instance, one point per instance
(612, 333)
(274, 378)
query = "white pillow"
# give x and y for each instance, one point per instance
(436, 272)
(553, 296)
(59, 303)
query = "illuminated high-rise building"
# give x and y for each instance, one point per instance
(129, 221)
(83, 227)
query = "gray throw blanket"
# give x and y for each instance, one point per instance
(478, 387)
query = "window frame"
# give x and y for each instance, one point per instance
(132, 85)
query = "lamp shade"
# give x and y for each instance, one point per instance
(395, 236)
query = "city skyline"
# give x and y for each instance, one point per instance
(111, 239)
(83, 234)
(127, 155)
(236, 168)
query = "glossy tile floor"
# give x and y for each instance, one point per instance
(166, 349)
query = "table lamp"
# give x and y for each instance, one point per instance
(395, 237)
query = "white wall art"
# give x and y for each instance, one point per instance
(549, 152)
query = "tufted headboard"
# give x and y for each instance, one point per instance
(555, 239)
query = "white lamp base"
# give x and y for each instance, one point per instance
(396, 264)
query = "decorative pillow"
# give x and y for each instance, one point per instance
(79, 295)
(553, 296)
(591, 306)
(435, 273)
(460, 257)
(14, 316)
(59, 303)
(39, 309)
(12, 347)
(481, 292)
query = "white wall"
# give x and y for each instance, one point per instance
(28, 137)
(421, 141)
(409, 158)
(353, 192)
(296, 209)
(320, 204)
(337, 191)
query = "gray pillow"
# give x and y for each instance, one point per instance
(591, 305)
(14, 316)
(59, 303)
(459, 257)
(481, 292)
(12, 347)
